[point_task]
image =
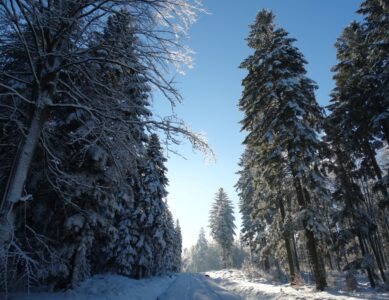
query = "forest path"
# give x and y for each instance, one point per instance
(189, 286)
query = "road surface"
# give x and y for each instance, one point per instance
(196, 287)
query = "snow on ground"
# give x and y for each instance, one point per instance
(260, 288)
(189, 286)
(184, 286)
(221, 285)
(107, 287)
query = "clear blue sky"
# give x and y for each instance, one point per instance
(212, 89)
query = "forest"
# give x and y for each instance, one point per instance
(82, 174)
(83, 153)
(314, 193)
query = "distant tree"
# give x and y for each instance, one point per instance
(221, 222)
(201, 252)
(205, 255)
(169, 236)
(177, 265)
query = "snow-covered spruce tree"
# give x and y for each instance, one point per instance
(252, 212)
(45, 70)
(74, 116)
(147, 218)
(120, 31)
(177, 265)
(350, 219)
(198, 261)
(89, 184)
(376, 70)
(273, 225)
(356, 100)
(169, 236)
(375, 74)
(124, 140)
(245, 189)
(352, 129)
(221, 223)
(283, 119)
(280, 219)
(239, 254)
(201, 249)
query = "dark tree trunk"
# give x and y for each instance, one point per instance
(378, 259)
(21, 166)
(297, 263)
(330, 261)
(378, 172)
(378, 243)
(266, 264)
(288, 247)
(370, 273)
(319, 275)
(338, 259)
(318, 271)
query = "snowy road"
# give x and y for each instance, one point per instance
(196, 287)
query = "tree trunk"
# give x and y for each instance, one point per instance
(319, 275)
(287, 244)
(378, 242)
(266, 264)
(318, 271)
(338, 260)
(378, 259)
(21, 165)
(297, 263)
(378, 172)
(368, 269)
(330, 261)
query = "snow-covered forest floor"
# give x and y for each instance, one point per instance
(104, 287)
(260, 288)
(223, 284)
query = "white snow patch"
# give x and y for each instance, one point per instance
(260, 288)
(223, 284)
(104, 287)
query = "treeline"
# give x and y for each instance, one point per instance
(82, 172)
(313, 191)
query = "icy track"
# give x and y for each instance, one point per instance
(196, 287)
(184, 286)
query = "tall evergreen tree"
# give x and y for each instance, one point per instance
(200, 252)
(169, 236)
(283, 120)
(253, 220)
(221, 222)
(245, 190)
(177, 264)
(148, 213)
(357, 126)
(376, 71)
(353, 102)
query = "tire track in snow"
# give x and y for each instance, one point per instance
(195, 287)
